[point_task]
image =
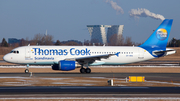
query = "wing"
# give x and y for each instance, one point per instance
(91, 59)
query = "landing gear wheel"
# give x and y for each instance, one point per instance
(27, 71)
(82, 70)
(88, 70)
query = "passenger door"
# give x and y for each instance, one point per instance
(27, 53)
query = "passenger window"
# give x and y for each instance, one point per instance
(18, 52)
(14, 52)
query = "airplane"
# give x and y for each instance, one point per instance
(68, 58)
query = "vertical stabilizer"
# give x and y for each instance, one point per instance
(159, 38)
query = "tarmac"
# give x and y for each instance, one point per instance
(89, 90)
(149, 76)
(92, 92)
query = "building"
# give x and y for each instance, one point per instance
(98, 32)
(114, 32)
(13, 40)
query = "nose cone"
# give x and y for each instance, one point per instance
(7, 58)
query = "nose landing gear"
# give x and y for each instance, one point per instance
(27, 69)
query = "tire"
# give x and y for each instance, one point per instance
(82, 70)
(26, 71)
(88, 70)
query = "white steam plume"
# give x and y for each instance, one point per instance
(142, 12)
(115, 6)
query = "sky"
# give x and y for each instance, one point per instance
(67, 19)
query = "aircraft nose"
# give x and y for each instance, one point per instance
(6, 57)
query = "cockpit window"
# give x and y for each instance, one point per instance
(16, 52)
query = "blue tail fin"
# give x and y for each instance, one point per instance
(158, 40)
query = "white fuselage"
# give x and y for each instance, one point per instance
(52, 54)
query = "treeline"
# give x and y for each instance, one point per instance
(119, 40)
(174, 43)
(114, 40)
(41, 39)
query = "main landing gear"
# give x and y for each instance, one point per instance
(83, 70)
(27, 69)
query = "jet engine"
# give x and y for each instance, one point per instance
(65, 65)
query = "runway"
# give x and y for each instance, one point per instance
(175, 77)
(90, 97)
(89, 90)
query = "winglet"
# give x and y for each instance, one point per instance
(117, 54)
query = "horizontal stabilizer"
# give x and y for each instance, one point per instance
(163, 51)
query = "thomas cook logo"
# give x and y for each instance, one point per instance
(161, 34)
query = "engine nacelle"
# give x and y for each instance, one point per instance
(65, 65)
